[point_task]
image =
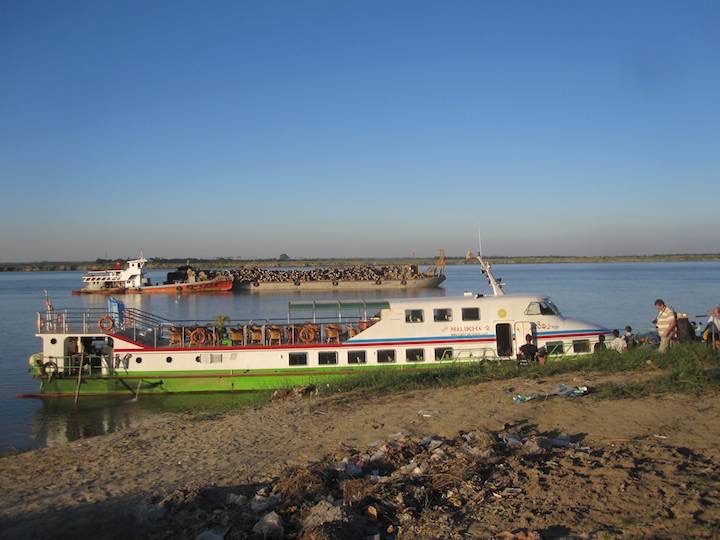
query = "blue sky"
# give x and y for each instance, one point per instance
(368, 128)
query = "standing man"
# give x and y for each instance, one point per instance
(666, 324)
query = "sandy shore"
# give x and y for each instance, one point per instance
(97, 485)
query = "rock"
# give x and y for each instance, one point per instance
(270, 526)
(260, 504)
(217, 533)
(537, 445)
(148, 513)
(435, 444)
(238, 500)
(322, 513)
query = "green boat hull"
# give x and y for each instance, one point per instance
(205, 381)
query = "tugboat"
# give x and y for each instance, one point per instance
(132, 280)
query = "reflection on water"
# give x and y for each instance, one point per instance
(58, 421)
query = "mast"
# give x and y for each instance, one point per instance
(486, 269)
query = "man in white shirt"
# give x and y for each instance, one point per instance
(617, 343)
(666, 324)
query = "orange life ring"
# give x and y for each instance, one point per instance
(106, 323)
(198, 336)
(307, 334)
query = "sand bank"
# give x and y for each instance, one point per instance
(97, 485)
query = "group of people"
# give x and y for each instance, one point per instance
(667, 328)
(618, 343)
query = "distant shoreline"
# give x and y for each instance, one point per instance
(221, 263)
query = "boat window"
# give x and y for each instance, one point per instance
(415, 355)
(168, 359)
(555, 347)
(386, 356)
(442, 314)
(552, 306)
(138, 360)
(414, 315)
(298, 359)
(356, 357)
(443, 353)
(326, 358)
(581, 345)
(470, 314)
(541, 308)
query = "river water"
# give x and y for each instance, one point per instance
(613, 294)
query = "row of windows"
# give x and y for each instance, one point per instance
(384, 356)
(441, 315)
(388, 356)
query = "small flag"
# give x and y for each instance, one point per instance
(48, 304)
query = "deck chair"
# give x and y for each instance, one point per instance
(332, 333)
(274, 333)
(256, 335)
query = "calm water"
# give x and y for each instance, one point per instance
(611, 294)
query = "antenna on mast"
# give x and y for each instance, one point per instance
(486, 269)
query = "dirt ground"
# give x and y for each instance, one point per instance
(637, 468)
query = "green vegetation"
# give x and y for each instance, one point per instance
(285, 260)
(685, 368)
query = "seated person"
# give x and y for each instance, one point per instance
(542, 356)
(529, 351)
(600, 345)
(617, 344)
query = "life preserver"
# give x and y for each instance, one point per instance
(49, 369)
(106, 323)
(307, 334)
(378, 281)
(198, 336)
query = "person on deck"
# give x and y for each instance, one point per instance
(666, 324)
(618, 344)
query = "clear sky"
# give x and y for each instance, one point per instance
(369, 128)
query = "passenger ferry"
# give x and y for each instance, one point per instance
(129, 351)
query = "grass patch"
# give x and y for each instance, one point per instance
(685, 368)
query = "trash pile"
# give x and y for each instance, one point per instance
(562, 391)
(404, 486)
